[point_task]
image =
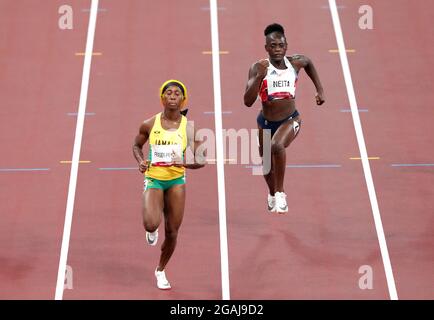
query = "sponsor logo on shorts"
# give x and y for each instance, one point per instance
(148, 183)
(296, 127)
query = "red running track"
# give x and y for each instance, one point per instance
(392, 77)
(313, 252)
(39, 84)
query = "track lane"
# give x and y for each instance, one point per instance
(108, 252)
(398, 53)
(39, 84)
(315, 251)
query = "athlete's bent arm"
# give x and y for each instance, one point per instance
(307, 64)
(139, 141)
(257, 73)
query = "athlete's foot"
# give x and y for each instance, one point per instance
(271, 203)
(152, 237)
(162, 282)
(281, 205)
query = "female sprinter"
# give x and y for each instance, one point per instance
(274, 80)
(169, 134)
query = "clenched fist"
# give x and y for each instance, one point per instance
(261, 68)
(319, 98)
(144, 165)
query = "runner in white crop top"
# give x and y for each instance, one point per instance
(275, 80)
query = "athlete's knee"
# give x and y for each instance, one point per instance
(150, 226)
(171, 234)
(277, 147)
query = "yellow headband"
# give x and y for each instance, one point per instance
(178, 83)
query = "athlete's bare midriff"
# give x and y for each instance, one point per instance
(278, 109)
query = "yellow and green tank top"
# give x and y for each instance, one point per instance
(164, 146)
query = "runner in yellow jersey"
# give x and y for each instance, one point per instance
(168, 134)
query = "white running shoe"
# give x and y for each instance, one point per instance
(162, 282)
(152, 237)
(281, 205)
(271, 203)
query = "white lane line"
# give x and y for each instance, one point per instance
(219, 150)
(363, 152)
(99, 10)
(213, 112)
(359, 110)
(76, 152)
(327, 7)
(208, 8)
(76, 114)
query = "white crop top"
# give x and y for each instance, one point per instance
(279, 84)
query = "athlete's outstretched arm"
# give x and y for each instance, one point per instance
(257, 73)
(308, 66)
(139, 141)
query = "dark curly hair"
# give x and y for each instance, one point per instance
(274, 27)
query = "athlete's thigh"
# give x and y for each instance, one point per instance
(174, 203)
(153, 204)
(287, 132)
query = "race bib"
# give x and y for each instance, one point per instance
(166, 155)
(280, 84)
